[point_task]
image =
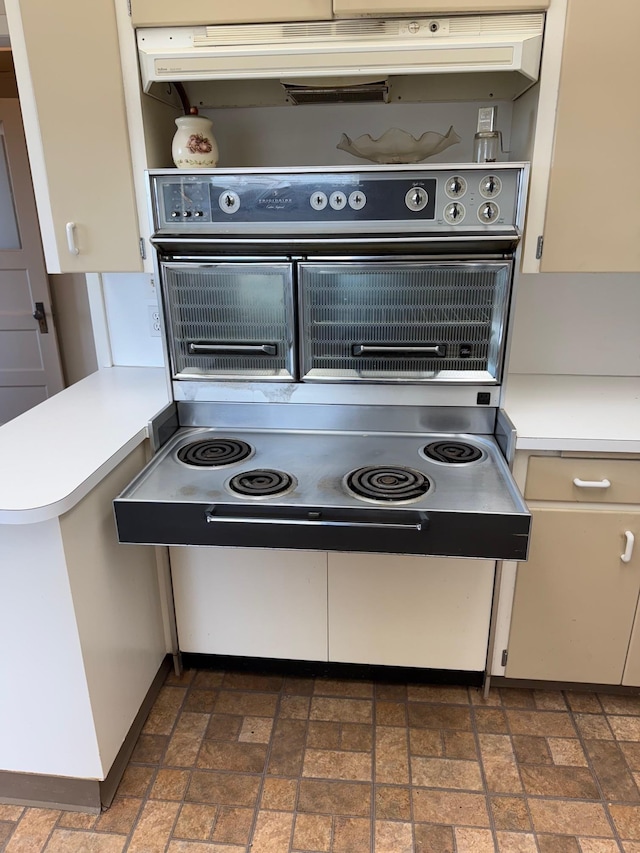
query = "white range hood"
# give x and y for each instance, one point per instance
(363, 48)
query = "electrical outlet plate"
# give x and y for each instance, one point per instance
(155, 329)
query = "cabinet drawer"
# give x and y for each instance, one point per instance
(553, 479)
(162, 13)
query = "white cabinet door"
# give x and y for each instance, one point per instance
(410, 611)
(69, 76)
(157, 13)
(593, 202)
(349, 8)
(251, 602)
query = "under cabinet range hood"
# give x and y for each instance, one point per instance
(368, 48)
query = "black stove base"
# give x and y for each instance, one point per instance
(325, 669)
(495, 536)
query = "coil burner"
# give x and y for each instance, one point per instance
(452, 452)
(393, 484)
(214, 452)
(261, 483)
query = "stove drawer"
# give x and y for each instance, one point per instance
(550, 478)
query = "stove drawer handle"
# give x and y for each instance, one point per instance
(591, 484)
(419, 526)
(233, 349)
(367, 349)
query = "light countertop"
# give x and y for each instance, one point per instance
(580, 413)
(54, 454)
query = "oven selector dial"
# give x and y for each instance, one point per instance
(488, 212)
(175, 214)
(198, 214)
(454, 213)
(337, 200)
(229, 201)
(186, 214)
(357, 200)
(490, 186)
(455, 187)
(318, 200)
(416, 199)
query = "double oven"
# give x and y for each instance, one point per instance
(336, 343)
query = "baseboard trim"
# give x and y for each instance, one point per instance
(314, 669)
(81, 795)
(575, 686)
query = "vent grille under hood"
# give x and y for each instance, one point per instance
(341, 93)
(369, 48)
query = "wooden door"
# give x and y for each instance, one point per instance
(575, 599)
(29, 360)
(593, 206)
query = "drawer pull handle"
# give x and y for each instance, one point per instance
(628, 551)
(591, 484)
(70, 228)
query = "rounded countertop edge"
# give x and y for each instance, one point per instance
(581, 445)
(47, 512)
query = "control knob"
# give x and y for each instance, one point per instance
(229, 201)
(490, 186)
(488, 212)
(454, 213)
(416, 199)
(455, 187)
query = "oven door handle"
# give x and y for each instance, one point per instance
(420, 526)
(368, 349)
(232, 349)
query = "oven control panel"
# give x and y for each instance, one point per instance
(450, 199)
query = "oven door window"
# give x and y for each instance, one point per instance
(229, 320)
(399, 321)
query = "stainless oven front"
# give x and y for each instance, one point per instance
(336, 344)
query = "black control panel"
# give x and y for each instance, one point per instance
(252, 201)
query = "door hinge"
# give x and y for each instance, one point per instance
(505, 655)
(539, 246)
(40, 315)
(129, 7)
(143, 251)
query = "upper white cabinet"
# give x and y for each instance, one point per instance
(352, 8)
(152, 13)
(70, 83)
(593, 206)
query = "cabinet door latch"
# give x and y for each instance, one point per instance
(505, 655)
(539, 246)
(143, 249)
(40, 315)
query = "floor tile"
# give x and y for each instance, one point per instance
(233, 825)
(564, 817)
(8, 812)
(392, 803)
(351, 834)
(312, 832)
(510, 814)
(74, 841)
(233, 761)
(32, 831)
(393, 837)
(195, 822)
(431, 838)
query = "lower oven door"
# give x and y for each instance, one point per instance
(229, 320)
(403, 321)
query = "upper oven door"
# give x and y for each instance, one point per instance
(229, 320)
(403, 321)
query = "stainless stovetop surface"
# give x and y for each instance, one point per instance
(319, 461)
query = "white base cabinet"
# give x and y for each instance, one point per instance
(251, 602)
(576, 599)
(352, 608)
(409, 611)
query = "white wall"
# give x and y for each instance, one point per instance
(583, 324)
(308, 135)
(130, 301)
